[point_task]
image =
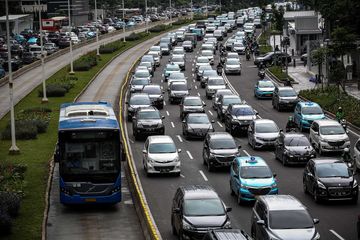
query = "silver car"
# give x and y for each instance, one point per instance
(191, 104)
(217, 94)
(213, 84)
(161, 156)
(156, 56)
(201, 61)
(209, 54)
(263, 133)
(232, 66)
(197, 125)
(177, 90)
(179, 60)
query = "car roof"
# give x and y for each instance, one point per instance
(240, 105)
(147, 109)
(281, 202)
(192, 97)
(229, 234)
(199, 192)
(248, 161)
(197, 114)
(284, 88)
(261, 120)
(160, 139)
(308, 104)
(152, 86)
(327, 122)
(226, 90)
(220, 135)
(230, 96)
(139, 95)
(293, 134)
(322, 160)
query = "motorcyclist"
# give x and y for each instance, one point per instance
(290, 125)
(247, 52)
(219, 68)
(287, 83)
(346, 156)
(339, 114)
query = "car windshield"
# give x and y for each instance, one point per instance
(290, 219)
(140, 100)
(152, 90)
(328, 170)
(146, 64)
(207, 53)
(192, 102)
(266, 84)
(232, 61)
(178, 52)
(238, 44)
(177, 59)
(164, 45)
(287, 93)
(222, 143)
(177, 75)
(242, 111)
(203, 207)
(216, 82)
(203, 119)
(267, 127)
(149, 115)
(297, 141)
(210, 73)
(311, 110)
(179, 87)
(142, 74)
(228, 101)
(203, 60)
(155, 48)
(140, 82)
(255, 172)
(206, 67)
(332, 130)
(162, 148)
(172, 68)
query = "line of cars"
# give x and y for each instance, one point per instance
(250, 176)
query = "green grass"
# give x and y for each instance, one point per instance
(265, 49)
(36, 154)
(331, 98)
(279, 74)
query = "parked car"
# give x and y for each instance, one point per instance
(271, 57)
(282, 217)
(161, 156)
(147, 121)
(330, 179)
(196, 125)
(197, 209)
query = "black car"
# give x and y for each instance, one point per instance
(223, 102)
(156, 94)
(205, 76)
(54, 37)
(16, 64)
(197, 125)
(147, 121)
(191, 104)
(284, 98)
(271, 57)
(64, 42)
(28, 57)
(226, 234)
(188, 46)
(238, 118)
(330, 179)
(136, 101)
(293, 148)
(197, 209)
(219, 150)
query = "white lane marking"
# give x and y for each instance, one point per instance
(164, 103)
(182, 175)
(198, 94)
(193, 74)
(167, 113)
(131, 141)
(161, 80)
(259, 116)
(193, 70)
(211, 113)
(219, 124)
(179, 137)
(336, 234)
(195, 87)
(189, 154)
(193, 80)
(229, 84)
(203, 175)
(246, 153)
(172, 124)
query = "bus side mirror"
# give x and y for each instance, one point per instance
(57, 153)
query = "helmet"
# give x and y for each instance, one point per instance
(290, 118)
(346, 150)
(340, 109)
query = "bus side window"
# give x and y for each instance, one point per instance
(57, 153)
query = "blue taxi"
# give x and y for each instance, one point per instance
(305, 113)
(251, 176)
(264, 89)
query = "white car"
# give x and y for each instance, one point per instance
(213, 84)
(263, 133)
(201, 61)
(357, 154)
(232, 66)
(161, 156)
(209, 54)
(327, 135)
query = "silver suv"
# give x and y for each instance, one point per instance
(161, 155)
(328, 135)
(263, 133)
(282, 217)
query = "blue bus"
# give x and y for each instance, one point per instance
(89, 152)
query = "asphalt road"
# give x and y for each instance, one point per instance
(337, 219)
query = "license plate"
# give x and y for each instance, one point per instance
(90, 199)
(164, 170)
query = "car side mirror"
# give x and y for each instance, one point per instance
(212, 121)
(183, 121)
(228, 209)
(260, 222)
(162, 117)
(239, 147)
(274, 175)
(144, 151)
(179, 150)
(126, 102)
(176, 210)
(316, 221)
(57, 153)
(133, 118)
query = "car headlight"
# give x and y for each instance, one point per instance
(317, 236)
(130, 109)
(243, 186)
(150, 160)
(355, 184)
(321, 185)
(323, 140)
(187, 226)
(227, 224)
(273, 185)
(139, 125)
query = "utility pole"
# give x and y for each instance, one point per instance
(146, 17)
(71, 52)
(170, 14)
(44, 99)
(13, 149)
(192, 12)
(123, 16)
(97, 32)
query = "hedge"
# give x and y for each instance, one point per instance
(54, 90)
(158, 28)
(86, 62)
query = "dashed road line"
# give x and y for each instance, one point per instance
(198, 94)
(172, 124)
(246, 153)
(182, 175)
(167, 113)
(219, 124)
(211, 113)
(189, 154)
(131, 141)
(196, 87)
(179, 137)
(203, 175)
(336, 234)
(164, 103)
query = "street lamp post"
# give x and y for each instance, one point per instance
(220, 7)
(206, 8)
(123, 18)
(13, 149)
(146, 16)
(97, 31)
(170, 13)
(192, 11)
(44, 99)
(71, 52)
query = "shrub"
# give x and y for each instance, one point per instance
(133, 37)
(25, 129)
(54, 90)
(39, 116)
(86, 62)
(5, 223)
(10, 203)
(158, 28)
(181, 22)
(37, 110)
(12, 178)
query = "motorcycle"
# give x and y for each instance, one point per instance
(247, 56)
(219, 71)
(293, 129)
(261, 73)
(343, 123)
